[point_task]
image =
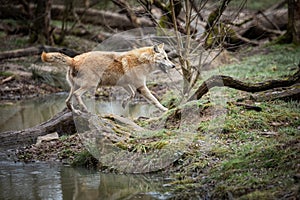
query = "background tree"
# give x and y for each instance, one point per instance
(292, 34)
(40, 31)
(294, 20)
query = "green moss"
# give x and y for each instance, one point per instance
(254, 155)
(272, 62)
(85, 159)
(171, 99)
(6, 74)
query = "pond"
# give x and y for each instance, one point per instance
(28, 113)
(56, 181)
(53, 181)
(42, 180)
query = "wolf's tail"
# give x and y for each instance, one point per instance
(56, 57)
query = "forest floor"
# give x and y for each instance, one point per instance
(249, 155)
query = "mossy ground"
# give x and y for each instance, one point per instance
(250, 154)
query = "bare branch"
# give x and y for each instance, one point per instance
(227, 81)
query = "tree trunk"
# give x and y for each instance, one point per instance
(292, 34)
(41, 23)
(294, 20)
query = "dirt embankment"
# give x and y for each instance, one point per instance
(19, 82)
(22, 87)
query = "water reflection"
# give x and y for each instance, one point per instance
(50, 181)
(26, 114)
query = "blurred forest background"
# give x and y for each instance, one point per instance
(29, 27)
(252, 47)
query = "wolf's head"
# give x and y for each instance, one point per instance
(161, 58)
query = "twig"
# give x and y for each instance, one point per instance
(247, 106)
(268, 20)
(7, 79)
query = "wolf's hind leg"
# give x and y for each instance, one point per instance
(71, 83)
(147, 94)
(78, 93)
(131, 92)
(68, 100)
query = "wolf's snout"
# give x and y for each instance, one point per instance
(170, 64)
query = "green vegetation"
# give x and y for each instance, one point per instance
(270, 62)
(84, 159)
(257, 155)
(252, 154)
(255, 5)
(6, 74)
(12, 42)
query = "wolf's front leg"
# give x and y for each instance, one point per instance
(147, 94)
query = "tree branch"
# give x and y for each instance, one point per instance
(227, 81)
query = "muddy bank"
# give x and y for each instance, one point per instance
(22, 79)
(63, 149)
(22, 87)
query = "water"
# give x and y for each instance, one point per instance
(53, 181)
(28, 113)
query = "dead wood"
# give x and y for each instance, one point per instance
(7, 79)
(264, 24)
(227, 81)
(62, 123)
(103, 18)
(113, 127)
(282, 93)
(31, 51)
(129, 12)
(247, 106)
(19, 53)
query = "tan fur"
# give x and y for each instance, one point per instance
(129, 69)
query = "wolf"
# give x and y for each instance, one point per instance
(88, 71)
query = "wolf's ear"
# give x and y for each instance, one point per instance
(155, 48)
(161, 46)
(158, 47)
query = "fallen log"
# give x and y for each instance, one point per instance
(282, 93)
(264, 24)
(32, 51)
(227, 81)
(20, 53)
(62, 123)
(65, 123)
(100, 17)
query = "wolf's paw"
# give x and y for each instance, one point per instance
(124, 103)
(164, 109)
